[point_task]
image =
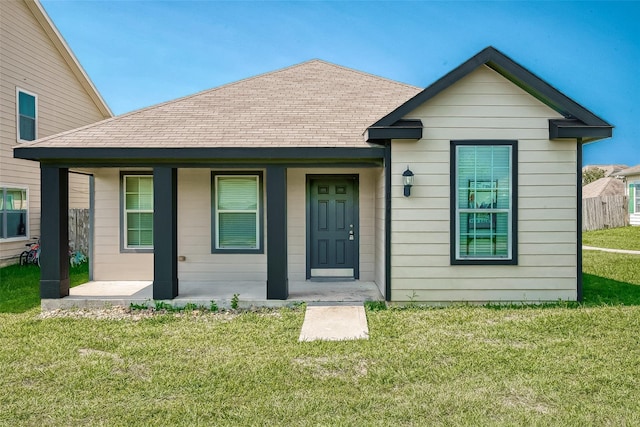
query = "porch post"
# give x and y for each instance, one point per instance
(277, 269)
(165, 232)
(54, 232)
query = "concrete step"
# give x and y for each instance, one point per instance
(334, 322)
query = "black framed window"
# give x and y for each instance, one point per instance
(483, 202)
(237, 224)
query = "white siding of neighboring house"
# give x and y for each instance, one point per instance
(634, 214)
(30, 61)
(484, 105)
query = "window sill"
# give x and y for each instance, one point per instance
(237, 251)
(136, 251)
(484, 261)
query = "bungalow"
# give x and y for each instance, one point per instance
(632, 190)
(468, 190)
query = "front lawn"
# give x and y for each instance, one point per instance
(568, 364)
(453, 366)
(614, 238)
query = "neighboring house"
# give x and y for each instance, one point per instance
(43, 91)
(299, 175)
(608, 170)
(632, 185)
(603, 187)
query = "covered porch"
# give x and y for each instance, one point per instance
(181, 269)
(98, 294)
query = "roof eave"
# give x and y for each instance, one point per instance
(402, 129)
(574, 129)
(78, 155)
(512, 71)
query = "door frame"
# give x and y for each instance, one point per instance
(356, 219)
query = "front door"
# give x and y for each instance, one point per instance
(333, 227)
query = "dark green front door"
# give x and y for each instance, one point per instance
(333, 228)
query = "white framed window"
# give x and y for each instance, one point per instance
(237, 218)
(634, 197)
(14, 213)
(27, 115)
(484, 214)
(137, 211)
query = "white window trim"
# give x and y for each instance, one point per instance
(636, 195)
(458, 248)
(125, 211)
(27, 227)
(18, 90)
(218, 212)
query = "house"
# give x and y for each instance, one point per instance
(43, 91)
(607, 170)
(632, 190)
(468, 190)
(608, 186)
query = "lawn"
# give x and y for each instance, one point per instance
(614, 238)
(19, 289)
(568, 364)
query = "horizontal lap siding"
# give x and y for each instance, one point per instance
(297, 218)
(484, 105)
(109, 262)
(195, 236)
(30, 61)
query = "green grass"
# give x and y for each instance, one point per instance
(19, 286)
(614, 238)
(610, 278)
(554, 365)
(454, 366)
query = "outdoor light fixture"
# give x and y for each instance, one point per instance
(407, 179)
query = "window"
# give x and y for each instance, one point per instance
(237, 218)
(138, 211)
(13, 209)
(27, 113)
(483, 183)
(634, 197)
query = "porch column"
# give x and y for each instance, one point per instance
(54, 232)
(165, 232)
(277, 269)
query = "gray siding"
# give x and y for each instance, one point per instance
(484, 105)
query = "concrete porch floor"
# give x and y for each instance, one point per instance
(99, 294)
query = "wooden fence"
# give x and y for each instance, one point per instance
(79, 230)
(604, 212)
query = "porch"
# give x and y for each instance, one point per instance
(98, 294)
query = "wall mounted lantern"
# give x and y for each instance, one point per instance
(407, 179)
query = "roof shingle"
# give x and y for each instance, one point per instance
(313, 104)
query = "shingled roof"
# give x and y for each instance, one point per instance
(313, 104)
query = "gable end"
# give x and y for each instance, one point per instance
(579, 122)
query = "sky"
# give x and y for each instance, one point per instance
(140, 53)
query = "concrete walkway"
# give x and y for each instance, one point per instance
(334, 323)
(617, 251)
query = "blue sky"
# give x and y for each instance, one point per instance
(139, 53)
